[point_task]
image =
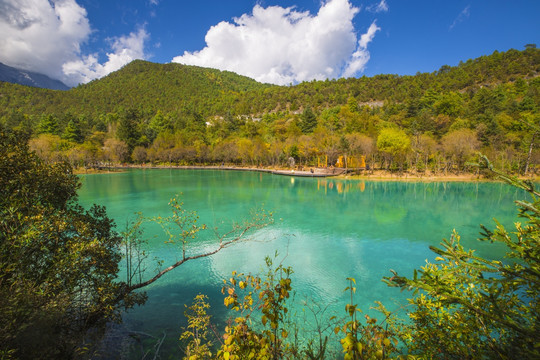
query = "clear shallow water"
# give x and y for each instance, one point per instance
(326, 229)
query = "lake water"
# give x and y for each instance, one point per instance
(325, 229)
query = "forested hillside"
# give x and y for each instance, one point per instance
(181, 114)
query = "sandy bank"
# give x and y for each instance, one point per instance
(377, 175)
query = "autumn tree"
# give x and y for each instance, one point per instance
(424, 147)
(48, 147)
(139, 154)
(362, 145)
(245, 150)
(115, 151)
(459, 145)
(394, 144)
(226, 151)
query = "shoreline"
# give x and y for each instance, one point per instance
(337, 173)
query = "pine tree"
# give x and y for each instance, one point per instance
(309, 121)
(49, 125)
(127, 128)
(72, 132)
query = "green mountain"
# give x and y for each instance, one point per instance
(179, 88)
(140, 85)
(167, 87)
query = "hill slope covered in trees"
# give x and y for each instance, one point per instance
(186, 114)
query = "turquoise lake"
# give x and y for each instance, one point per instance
(325, 229)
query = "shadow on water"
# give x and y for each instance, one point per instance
(144, 328)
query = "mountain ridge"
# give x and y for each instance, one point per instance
(181, 89)
(29, 78)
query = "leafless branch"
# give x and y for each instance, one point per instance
(222, 245)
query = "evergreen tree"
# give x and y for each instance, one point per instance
(352, 103)
(309, 121)
(233, 124)
(72, 132)
(128, 128)
(49, 125)
(159, 123)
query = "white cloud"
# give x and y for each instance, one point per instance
(282, 45)
(46, 37)
(366, 38)
(125, 49)
(36, 34)
(360, 57)
(377, 8)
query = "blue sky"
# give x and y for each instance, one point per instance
(273, 41)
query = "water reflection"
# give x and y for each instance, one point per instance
(326, 229)
(340, 186)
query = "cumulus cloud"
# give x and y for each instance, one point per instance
(125, 49)
(282, 45)
(45, 36)
(36, 34)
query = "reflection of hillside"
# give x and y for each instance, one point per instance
(386, 213)
(424, 212)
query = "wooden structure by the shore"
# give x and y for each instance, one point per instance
(308, 173)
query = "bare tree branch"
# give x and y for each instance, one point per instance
(222, 245)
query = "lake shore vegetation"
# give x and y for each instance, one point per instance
(429, 123)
